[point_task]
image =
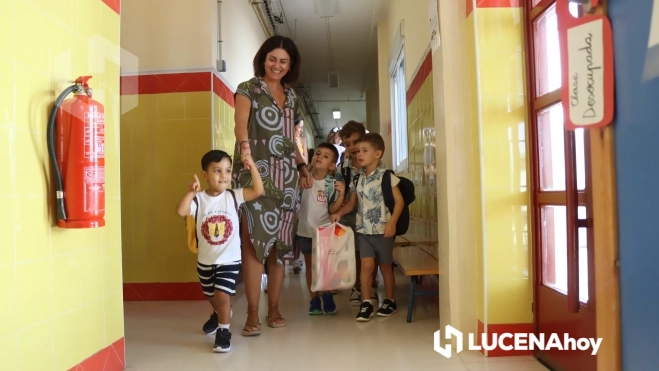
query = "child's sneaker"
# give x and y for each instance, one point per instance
(211, 325)
(314, 306)
(355, 297)
(297, 267)
(329, 307)
(365, 312)
(222, 341)
(387, 309)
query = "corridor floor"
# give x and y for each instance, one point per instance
(166, 336)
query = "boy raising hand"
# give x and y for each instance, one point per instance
(216, 212)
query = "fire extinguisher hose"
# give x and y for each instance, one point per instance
(59, 191)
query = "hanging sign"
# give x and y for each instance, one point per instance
(587, 68)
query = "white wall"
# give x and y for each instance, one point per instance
(180, 35)
(242, 36)
(166, 34)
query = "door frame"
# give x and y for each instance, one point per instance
(605, 216)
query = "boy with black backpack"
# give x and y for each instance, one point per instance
(350, 134)
(216, 220)
(376, 223)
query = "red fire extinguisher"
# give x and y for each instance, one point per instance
(76, 145)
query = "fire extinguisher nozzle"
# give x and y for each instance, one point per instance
(61, 214)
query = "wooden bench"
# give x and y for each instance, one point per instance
(401, 241)
(414, 263)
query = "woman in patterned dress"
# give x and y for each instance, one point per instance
(267, 109)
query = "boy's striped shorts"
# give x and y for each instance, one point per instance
(218, 277)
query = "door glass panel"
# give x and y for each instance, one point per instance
(580, 153)
(547, 52)
(554, 247)
(583, 257)
(535, 2)
(551, 148)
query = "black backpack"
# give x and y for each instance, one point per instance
(345, 172)
(406, 188)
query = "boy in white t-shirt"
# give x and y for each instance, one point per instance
(325, 197)
(217, 220)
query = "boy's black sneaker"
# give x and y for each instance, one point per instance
(387, 309)
(211, 325)
(365, 312)
(222, 341)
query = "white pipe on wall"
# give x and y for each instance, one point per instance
(220, 63)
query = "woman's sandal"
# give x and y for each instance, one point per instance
(272, 321)
(251, 325)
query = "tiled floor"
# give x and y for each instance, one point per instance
(166, 336)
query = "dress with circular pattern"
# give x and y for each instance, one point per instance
(271, 219)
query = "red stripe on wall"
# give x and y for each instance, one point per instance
(512, 328)
(470, 7)
(184, 82)
(114, 5)
(419, 78)
(223, 91)
(112, 358)
(166, 83)
(163, 291)
(498, 3)
(166, 291)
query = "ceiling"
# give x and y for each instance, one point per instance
(345, 42)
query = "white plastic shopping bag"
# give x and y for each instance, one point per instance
(333, 265)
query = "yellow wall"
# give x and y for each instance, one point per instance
(458, 191)
(223, 126)
(61, 289)
(164, 133)
(163, 139)
(420, 129)
(508, 272)
(444, 103)
(473, 108)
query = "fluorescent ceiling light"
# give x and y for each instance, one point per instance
(336, 114)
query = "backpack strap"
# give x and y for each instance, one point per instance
(329, 190)
(387, 191)
(235, 202)
(197, 203)
(345, 172)
(355, 181)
